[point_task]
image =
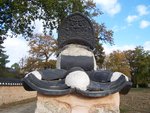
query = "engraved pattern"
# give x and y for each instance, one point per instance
(76, 28)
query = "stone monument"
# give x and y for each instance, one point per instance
(76, 85)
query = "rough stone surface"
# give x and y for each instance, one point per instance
(77, 104)
(10, 94)
(104, 109)
(77, 79)
(51, 105)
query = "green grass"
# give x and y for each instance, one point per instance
(124, 110)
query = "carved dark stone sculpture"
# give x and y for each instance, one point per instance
(76, 29)
(76, 66)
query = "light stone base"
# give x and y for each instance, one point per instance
(77, 104)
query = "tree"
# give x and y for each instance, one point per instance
(130, 56)
(38, 64)
(15, 66)
(41, 49)
(3, 58)
(3, 61)
(17, 16)
(116, 61)
(99, 54)
(101, 34)
(31, 64)
(142, 65)
(139, 64)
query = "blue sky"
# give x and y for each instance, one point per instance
(129, 19)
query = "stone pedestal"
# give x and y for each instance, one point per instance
(72, 103)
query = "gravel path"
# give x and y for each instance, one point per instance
(21, 108)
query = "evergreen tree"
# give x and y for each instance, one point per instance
(3, 58)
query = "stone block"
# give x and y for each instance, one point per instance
(72, 103)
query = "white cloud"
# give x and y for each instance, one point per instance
(142, 10)
(131, 18)
(15, 48)
(38, 26)
(117, 28)
(111, 7)
(108, 49)
(146, 45)
(144, 24)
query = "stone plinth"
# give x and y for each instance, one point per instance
(77, 104)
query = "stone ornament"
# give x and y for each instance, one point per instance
(76, 70)
(76, 29)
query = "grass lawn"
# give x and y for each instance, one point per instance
(136, 101)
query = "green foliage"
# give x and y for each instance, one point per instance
(3, 58)
(139, 62)
(15, 66)
(142, 70)
(99, 54)
(124, 110)
(6, 74)
(134, 63)
(102, 34)
(17, 16)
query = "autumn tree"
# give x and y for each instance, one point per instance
(42, 47)
(32, 64)
(116, 61)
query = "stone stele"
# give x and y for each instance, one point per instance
(73, 103)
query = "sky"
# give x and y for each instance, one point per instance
(129, 19)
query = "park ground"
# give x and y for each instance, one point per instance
(137, 101)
